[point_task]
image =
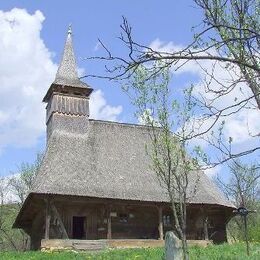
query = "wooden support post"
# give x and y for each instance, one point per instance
(205, 222)
(47, 219)
(109, 224)
(160, 226)
(205, 228)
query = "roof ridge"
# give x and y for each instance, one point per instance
(120, 123)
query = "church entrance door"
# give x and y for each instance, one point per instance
(78, 225)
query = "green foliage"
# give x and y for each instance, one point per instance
(220, 252)
(169, 117)
(22, 183)
(242, 188)
(235, 226)
(243, 185)
(10, 239)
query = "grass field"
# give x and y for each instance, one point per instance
(221, 252)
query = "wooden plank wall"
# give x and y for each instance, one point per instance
(137, 222)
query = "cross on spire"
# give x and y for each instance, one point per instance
(70, 29)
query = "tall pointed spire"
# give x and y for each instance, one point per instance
(67, 80)
(67, 71)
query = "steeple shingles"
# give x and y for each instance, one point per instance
(67, 76)
(67, 71)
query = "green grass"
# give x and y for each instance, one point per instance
(221, 252)
(226, 252)
(110, 254)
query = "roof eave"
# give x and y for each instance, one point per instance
(16, 223)
(58, 88)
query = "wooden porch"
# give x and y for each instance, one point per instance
(66, 219)
(96, 220)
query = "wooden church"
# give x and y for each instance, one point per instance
(95, 181)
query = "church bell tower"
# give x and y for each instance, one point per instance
(68, 97)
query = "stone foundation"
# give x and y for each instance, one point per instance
(102, 244)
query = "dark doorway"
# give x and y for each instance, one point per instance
(78, 225)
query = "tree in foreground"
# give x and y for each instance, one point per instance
(170, 128)
(229, 40)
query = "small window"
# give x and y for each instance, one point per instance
(123, 218)
(167, 220)
(113, 214)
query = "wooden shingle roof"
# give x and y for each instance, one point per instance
(109, 160)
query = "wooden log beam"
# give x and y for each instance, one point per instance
(109, 224)
(87, 200)
(205, 228)
(205, 223)
(57, 215)
(160, 220)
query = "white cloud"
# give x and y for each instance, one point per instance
(7, 193)
(169, 47)
(147, 118)
(241, 125)
(213, 171)
(99, 109)
(26, 72)
(97, 46)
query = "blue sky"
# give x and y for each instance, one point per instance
(41, 29)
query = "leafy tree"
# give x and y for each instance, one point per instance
(18, 185)
(243, 189)
(243, 185)
(22, 182)
(169, 129)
